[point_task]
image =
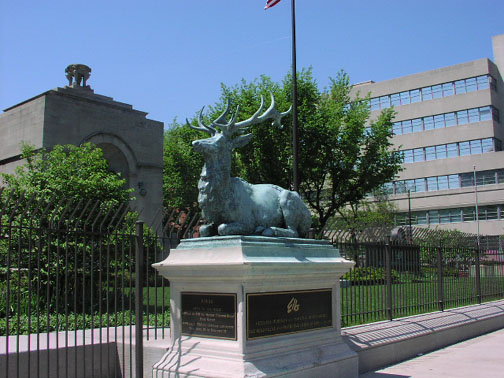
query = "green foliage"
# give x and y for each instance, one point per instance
(342, 154)
(369, 276)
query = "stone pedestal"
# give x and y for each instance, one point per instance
(251, 306)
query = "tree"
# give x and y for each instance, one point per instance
(343, 155)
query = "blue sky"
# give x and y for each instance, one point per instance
(169, 57)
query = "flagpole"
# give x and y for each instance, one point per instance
(295, 178)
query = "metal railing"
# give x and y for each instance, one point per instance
(78, 294)
(393, 279)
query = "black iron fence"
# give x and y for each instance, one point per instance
(394, 279)
(78, 294)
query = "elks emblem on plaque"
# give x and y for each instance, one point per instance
(293, 305)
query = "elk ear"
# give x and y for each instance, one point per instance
(241, 140)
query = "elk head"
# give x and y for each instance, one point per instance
(232, 133)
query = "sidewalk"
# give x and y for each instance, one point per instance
(481, 356)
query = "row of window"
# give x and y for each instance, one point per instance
(432, 92)
(434, 183)
(463, 214)
(462, 117)
(443, 151)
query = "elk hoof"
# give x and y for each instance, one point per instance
(259, 230)
(268, 232)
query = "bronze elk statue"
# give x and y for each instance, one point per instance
(232, 206)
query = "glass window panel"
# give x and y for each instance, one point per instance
(437, 91)
(421, 217)
(447, 89)
(396, 128)
(418, 154)
(485, 113)
(467, 179)
(426, 93)
(385, 102)
(428, 123)
(471, 85)
(444, 216)
(388, 188)
(395, 99)
(405, 98)
(410, 185)
(406, 127)
(486, 177)
(450, 119)
(420, 185)
(432, 184)
(500, 176)
(400, 187)
(455, 215)
(473, 115)
(439, 121)
(462, 117)
(415, 95)
(491, 212)
(495, 114)
(482, 82)
(375, 104)
(488, 145)
(433, 217)
(441, 151)
(400, 219)
(430, 153)
(453, 181)
(417, 124)
(476, 147)
(469, 214)
(408, 156)
(460, 87)
(464, 148)
(442, 182)
(452, 149)
(498, 145)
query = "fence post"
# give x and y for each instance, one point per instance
(388, 263)
(478, 277)
(440, 278)
(139, 280)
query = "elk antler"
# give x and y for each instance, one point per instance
(209, 129)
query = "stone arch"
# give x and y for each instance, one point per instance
(118, 153)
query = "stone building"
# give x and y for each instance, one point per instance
(132, 144)
(449, 126)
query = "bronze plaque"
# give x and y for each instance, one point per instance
(270, 314)
(209, 315)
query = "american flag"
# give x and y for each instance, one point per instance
(271, 3)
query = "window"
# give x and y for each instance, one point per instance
(453, 181)
(433, 217)
(476, 147)
(441, 151)
(442, 182)
(482, 82)
(405, 98)
(420, 185)
(464, 148)
(432, 184)
(468, 214)
(418, 154)
(448, 89)
(421, 217)
(495, 114)
(450, 119)
(439, 121)
(396, 128)
(460, 87)
(426, 93)
(428, 123)
(471, 85)
(375, 104)
(417, 124)
(452, 149)
(395, 99)
(437, 91)
(444, 216)
(467, 179)
(407, 127)
(462, 117)
(408, 156)
(473, 115)
(400, 187)
(384, 102)
(500, 176)
(487, 145)
(485, 113)
(415, 95)
(430, 153)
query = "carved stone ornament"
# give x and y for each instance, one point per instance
(232, 206)
(77, 75)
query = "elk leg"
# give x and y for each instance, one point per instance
(234, 228)
(207, 230)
